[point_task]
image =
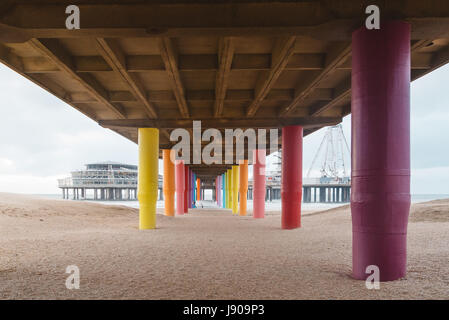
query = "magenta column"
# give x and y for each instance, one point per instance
(291, 189)
(380, 198)
(180, 185)
(258, 183)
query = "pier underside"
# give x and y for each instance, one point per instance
(143, 69)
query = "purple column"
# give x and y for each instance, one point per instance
(380, 199)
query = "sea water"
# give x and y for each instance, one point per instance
(273, 205)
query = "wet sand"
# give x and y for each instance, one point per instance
(206, 254)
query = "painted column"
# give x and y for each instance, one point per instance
(235, 189)
(291, 176)
(186, 189)
(231, 188)
(148, 139)
(220, 191)
(216, 190)
(180, 185)
(188, 186)
(243, 172)
(168, 183)
(198, 189)
(228, 188)
(192, 193)
(259, 190)
(380, 200)
(223, 190)
(194, 190)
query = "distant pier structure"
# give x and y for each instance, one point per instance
(102, 181)
(334, 183)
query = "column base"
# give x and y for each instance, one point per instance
(386, 251)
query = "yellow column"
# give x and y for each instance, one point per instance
(231, 188)
(235, 189)
(243, 168)
(228, 189)
(148, 176)
(169, 183)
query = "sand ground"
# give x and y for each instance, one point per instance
(207, 254)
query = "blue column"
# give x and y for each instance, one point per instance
(223, 185)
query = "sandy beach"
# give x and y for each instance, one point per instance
(206, 254)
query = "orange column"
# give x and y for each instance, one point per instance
(243, 190)
(169, 183)
(198, 189)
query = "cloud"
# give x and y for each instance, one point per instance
(41, 137)
(430, 180)
(29, 184)
(6, 165)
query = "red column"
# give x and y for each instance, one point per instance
(258, 183)
(291, 192)
(180, 185)
(380, 199)
(186, 189)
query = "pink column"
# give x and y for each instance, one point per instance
(186, 189)
(258, 183)
(380, 199)
(180, 185)
(218, 190)
(291, 192)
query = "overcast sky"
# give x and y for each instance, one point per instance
(42, 138)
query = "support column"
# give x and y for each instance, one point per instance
(291, 176)
(235, 189)
(228, 188)
(259, 190)
(219, 190)
(198, 189)
(380, 200)
(148, 176)
(186, 189)
(189, 190)
(243, 177)
(168, 183)
(180, 185)
(223, 186)
(216, 190)
(193, 189)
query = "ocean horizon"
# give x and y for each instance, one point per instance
(273, 205)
